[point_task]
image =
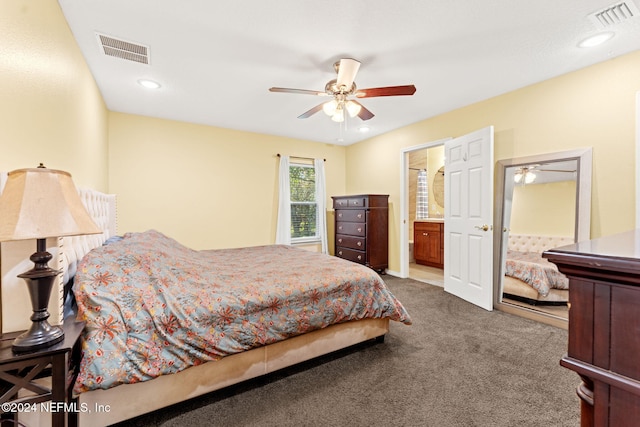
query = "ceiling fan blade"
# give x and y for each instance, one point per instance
(386, 91)
(364, 114)
(299, 91)
(347, 72)
(311, 112)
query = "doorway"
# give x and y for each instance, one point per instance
(467, 243)
(420, 163)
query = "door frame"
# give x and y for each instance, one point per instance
(404, 202)
(637, 168)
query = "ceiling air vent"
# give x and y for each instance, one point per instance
(615, 14)
(123, 49)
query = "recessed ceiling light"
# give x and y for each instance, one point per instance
(149, 84)
(596, 40)
(364, 129)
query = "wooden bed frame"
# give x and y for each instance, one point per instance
(123, 402)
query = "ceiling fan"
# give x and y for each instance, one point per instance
(527, 174)
(342, 90)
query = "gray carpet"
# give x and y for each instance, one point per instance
(457, 365)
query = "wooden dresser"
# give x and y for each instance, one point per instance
(604, 326)
(428, 243)
(362, 229)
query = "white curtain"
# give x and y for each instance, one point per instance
(283, 230)
(422, 196)
(321, 199)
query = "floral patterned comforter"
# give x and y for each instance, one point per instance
(531, 268)
(154, 307)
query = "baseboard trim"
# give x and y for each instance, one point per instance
(394, 274)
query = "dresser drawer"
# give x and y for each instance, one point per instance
(355, 202)
(351, 215)
(351, 255)
(352, 242)
(352, 228)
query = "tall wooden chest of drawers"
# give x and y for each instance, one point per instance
(362, 229)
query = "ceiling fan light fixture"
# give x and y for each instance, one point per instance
(338, 116)
(330, 107)
(353, 108)
(529, 177)
(517, 177)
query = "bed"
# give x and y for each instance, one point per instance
(529, 277)
(129, 304)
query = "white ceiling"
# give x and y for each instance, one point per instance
(217, 59)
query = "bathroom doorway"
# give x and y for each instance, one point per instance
(424, 218)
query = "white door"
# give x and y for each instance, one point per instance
(468, 235)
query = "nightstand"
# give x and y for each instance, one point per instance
(19, 370)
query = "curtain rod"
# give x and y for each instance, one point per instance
(298, 157)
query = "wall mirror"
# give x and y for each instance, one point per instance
(438, 187)
(542, 202)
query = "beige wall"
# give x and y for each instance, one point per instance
(206, 187)
(51, 110)
(592, 107)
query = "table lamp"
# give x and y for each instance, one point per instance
(37, 204)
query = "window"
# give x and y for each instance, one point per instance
(304, 208)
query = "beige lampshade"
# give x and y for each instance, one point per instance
(40, 203)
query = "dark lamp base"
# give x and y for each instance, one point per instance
(40, 335)
(39, 280)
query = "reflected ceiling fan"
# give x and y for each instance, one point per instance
(343, 90)
(527, 174)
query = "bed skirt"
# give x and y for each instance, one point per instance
(518, 288)
(125, 401)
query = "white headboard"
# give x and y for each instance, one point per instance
(539, 244)
(66, 251)
(102, 208)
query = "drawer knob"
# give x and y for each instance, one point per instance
(339, 240)
(359, 257)
(425, 234)
(340, 215)
(359, 229)
(339, 227)
(340, 253)
(359, 243)
(359, 215)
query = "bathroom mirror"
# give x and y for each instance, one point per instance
(438, 187)
(542, 202)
